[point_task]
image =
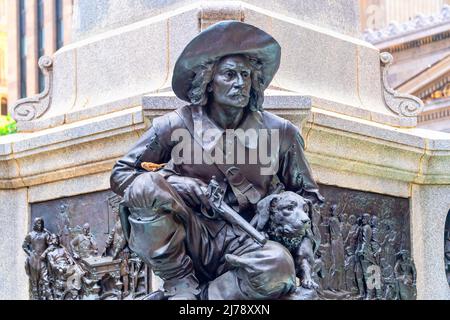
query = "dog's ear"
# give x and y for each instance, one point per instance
(310, 207)
(264, 209)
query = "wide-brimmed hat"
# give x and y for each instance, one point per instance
(222, 39)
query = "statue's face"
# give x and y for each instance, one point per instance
(374, 221)
(352, 219)
(38, 224)
(366, 219)
(86, 229)
(232, 82)
(55, 240)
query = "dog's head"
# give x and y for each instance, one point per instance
(284, 215)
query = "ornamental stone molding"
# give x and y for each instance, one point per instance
(419, 23)
(32, 108)
(401, 104)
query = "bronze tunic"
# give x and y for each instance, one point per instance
(156, 146)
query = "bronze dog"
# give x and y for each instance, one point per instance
(285, 218)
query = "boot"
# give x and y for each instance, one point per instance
(186, 288)
(225, 287)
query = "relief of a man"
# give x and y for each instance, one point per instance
(222, 73)
(84, 245)
(66, 273)
(35, 243)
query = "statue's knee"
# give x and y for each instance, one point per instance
(149, 190)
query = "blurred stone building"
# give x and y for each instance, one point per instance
(35, 28)
(3, 59)
(417, 34)
(377, 14)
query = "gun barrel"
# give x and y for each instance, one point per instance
(235, 218)
(220, 208)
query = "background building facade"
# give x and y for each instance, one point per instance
(3, 58)
(35, 28)
(376, 14)
(420, 46)
(30, 29)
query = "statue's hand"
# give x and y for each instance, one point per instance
(190, 190)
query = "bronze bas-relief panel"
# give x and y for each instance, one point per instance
(81, 253)
(392, 212)
(338, 275)
(70, 214)
(342, 238)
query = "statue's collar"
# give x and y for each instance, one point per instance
(210, 133)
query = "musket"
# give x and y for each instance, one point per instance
(222, 210)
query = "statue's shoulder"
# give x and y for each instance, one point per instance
(273, 121)
(171, 121)
(289, 133)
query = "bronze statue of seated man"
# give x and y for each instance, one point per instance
(66, 274)
(222, 73)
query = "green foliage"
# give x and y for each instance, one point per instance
(7, 125)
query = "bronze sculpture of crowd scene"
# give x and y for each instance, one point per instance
(73, 271)
(360, 258)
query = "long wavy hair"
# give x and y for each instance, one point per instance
(204, 74)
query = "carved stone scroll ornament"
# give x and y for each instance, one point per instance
(402, 104)
(32, 108)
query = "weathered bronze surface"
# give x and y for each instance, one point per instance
(223, 227)
(81, 266)
(222, 73)
(66, 276)
(34, 245)
(373, 230)
(67, 216)
(190, 233)
(120, 274)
